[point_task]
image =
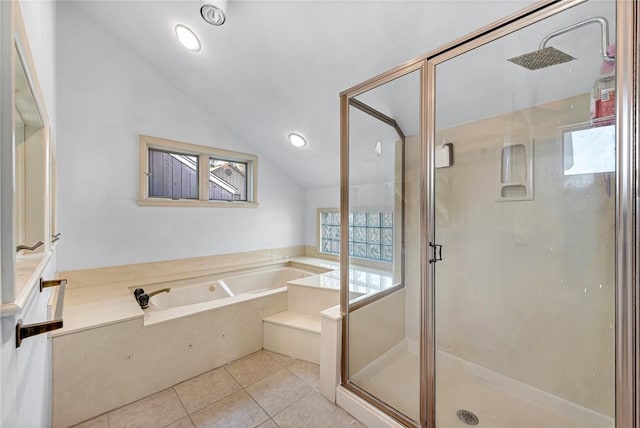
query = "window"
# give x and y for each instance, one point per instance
(228, 180)
(589, 150)
(180, 174)
(172, 175)
(370, 234)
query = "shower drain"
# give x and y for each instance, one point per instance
(467, 417)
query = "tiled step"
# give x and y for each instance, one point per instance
(293, 333)
(311, 299)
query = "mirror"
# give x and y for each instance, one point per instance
(30, 169)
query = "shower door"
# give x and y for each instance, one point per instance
(524, 208)
(380, 221)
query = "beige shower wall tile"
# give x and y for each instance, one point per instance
(535, 297)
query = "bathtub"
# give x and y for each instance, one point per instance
(209, 292)
(204, 322)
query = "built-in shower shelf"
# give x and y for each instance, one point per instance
(514, 170)
(293, 333)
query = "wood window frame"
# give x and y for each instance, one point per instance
(204, 153)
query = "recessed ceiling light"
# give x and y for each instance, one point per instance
(213, 11)
(297, 140)
(188, 38)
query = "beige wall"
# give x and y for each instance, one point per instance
(374, 329)
(526, 288)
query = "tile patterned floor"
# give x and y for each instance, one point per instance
(264, 389)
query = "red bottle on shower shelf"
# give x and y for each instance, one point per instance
(603, 94)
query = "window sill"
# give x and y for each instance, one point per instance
(194, 203)
(375, 264)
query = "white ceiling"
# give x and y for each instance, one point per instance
(277, 67)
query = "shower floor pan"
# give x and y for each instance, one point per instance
(394, 377)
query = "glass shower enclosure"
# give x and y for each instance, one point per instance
(505, 164)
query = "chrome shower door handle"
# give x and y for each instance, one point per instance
(437, 252)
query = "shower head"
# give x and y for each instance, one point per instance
(541, 58)
(548, 56)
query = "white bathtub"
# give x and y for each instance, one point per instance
(227, 289)
(259, 282)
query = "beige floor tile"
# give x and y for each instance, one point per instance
(282, 359)
(99, 422)
(182, 423)
(278, 391)
(206, 389)
(155, 411)
(237, 411)
(308, 372)
(316, 412)
(252, 368)
(269, 424)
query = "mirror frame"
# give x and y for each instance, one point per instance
(14, 46)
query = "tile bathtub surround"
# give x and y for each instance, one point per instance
(278, 391)
(119, 351)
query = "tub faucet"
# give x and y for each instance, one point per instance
(143, 298)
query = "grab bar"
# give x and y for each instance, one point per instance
(28, 330)
(30, 248)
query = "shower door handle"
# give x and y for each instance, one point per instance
(437, 252)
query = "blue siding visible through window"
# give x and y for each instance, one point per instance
(370, 234)
(227, 180)
(172, 175)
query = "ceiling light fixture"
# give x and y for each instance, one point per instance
(297, 140)
(188, 38)
(214, 11)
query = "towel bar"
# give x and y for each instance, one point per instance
(28, 330)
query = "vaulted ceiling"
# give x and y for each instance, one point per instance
(277, 67)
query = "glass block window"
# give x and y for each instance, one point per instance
(370, 234)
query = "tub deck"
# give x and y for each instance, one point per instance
(93, 306)
(110, 344)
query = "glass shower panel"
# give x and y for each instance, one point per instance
(524, 297)
(384, 270)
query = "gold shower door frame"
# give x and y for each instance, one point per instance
(627, 270)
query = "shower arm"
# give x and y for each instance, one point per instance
(604, 35)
